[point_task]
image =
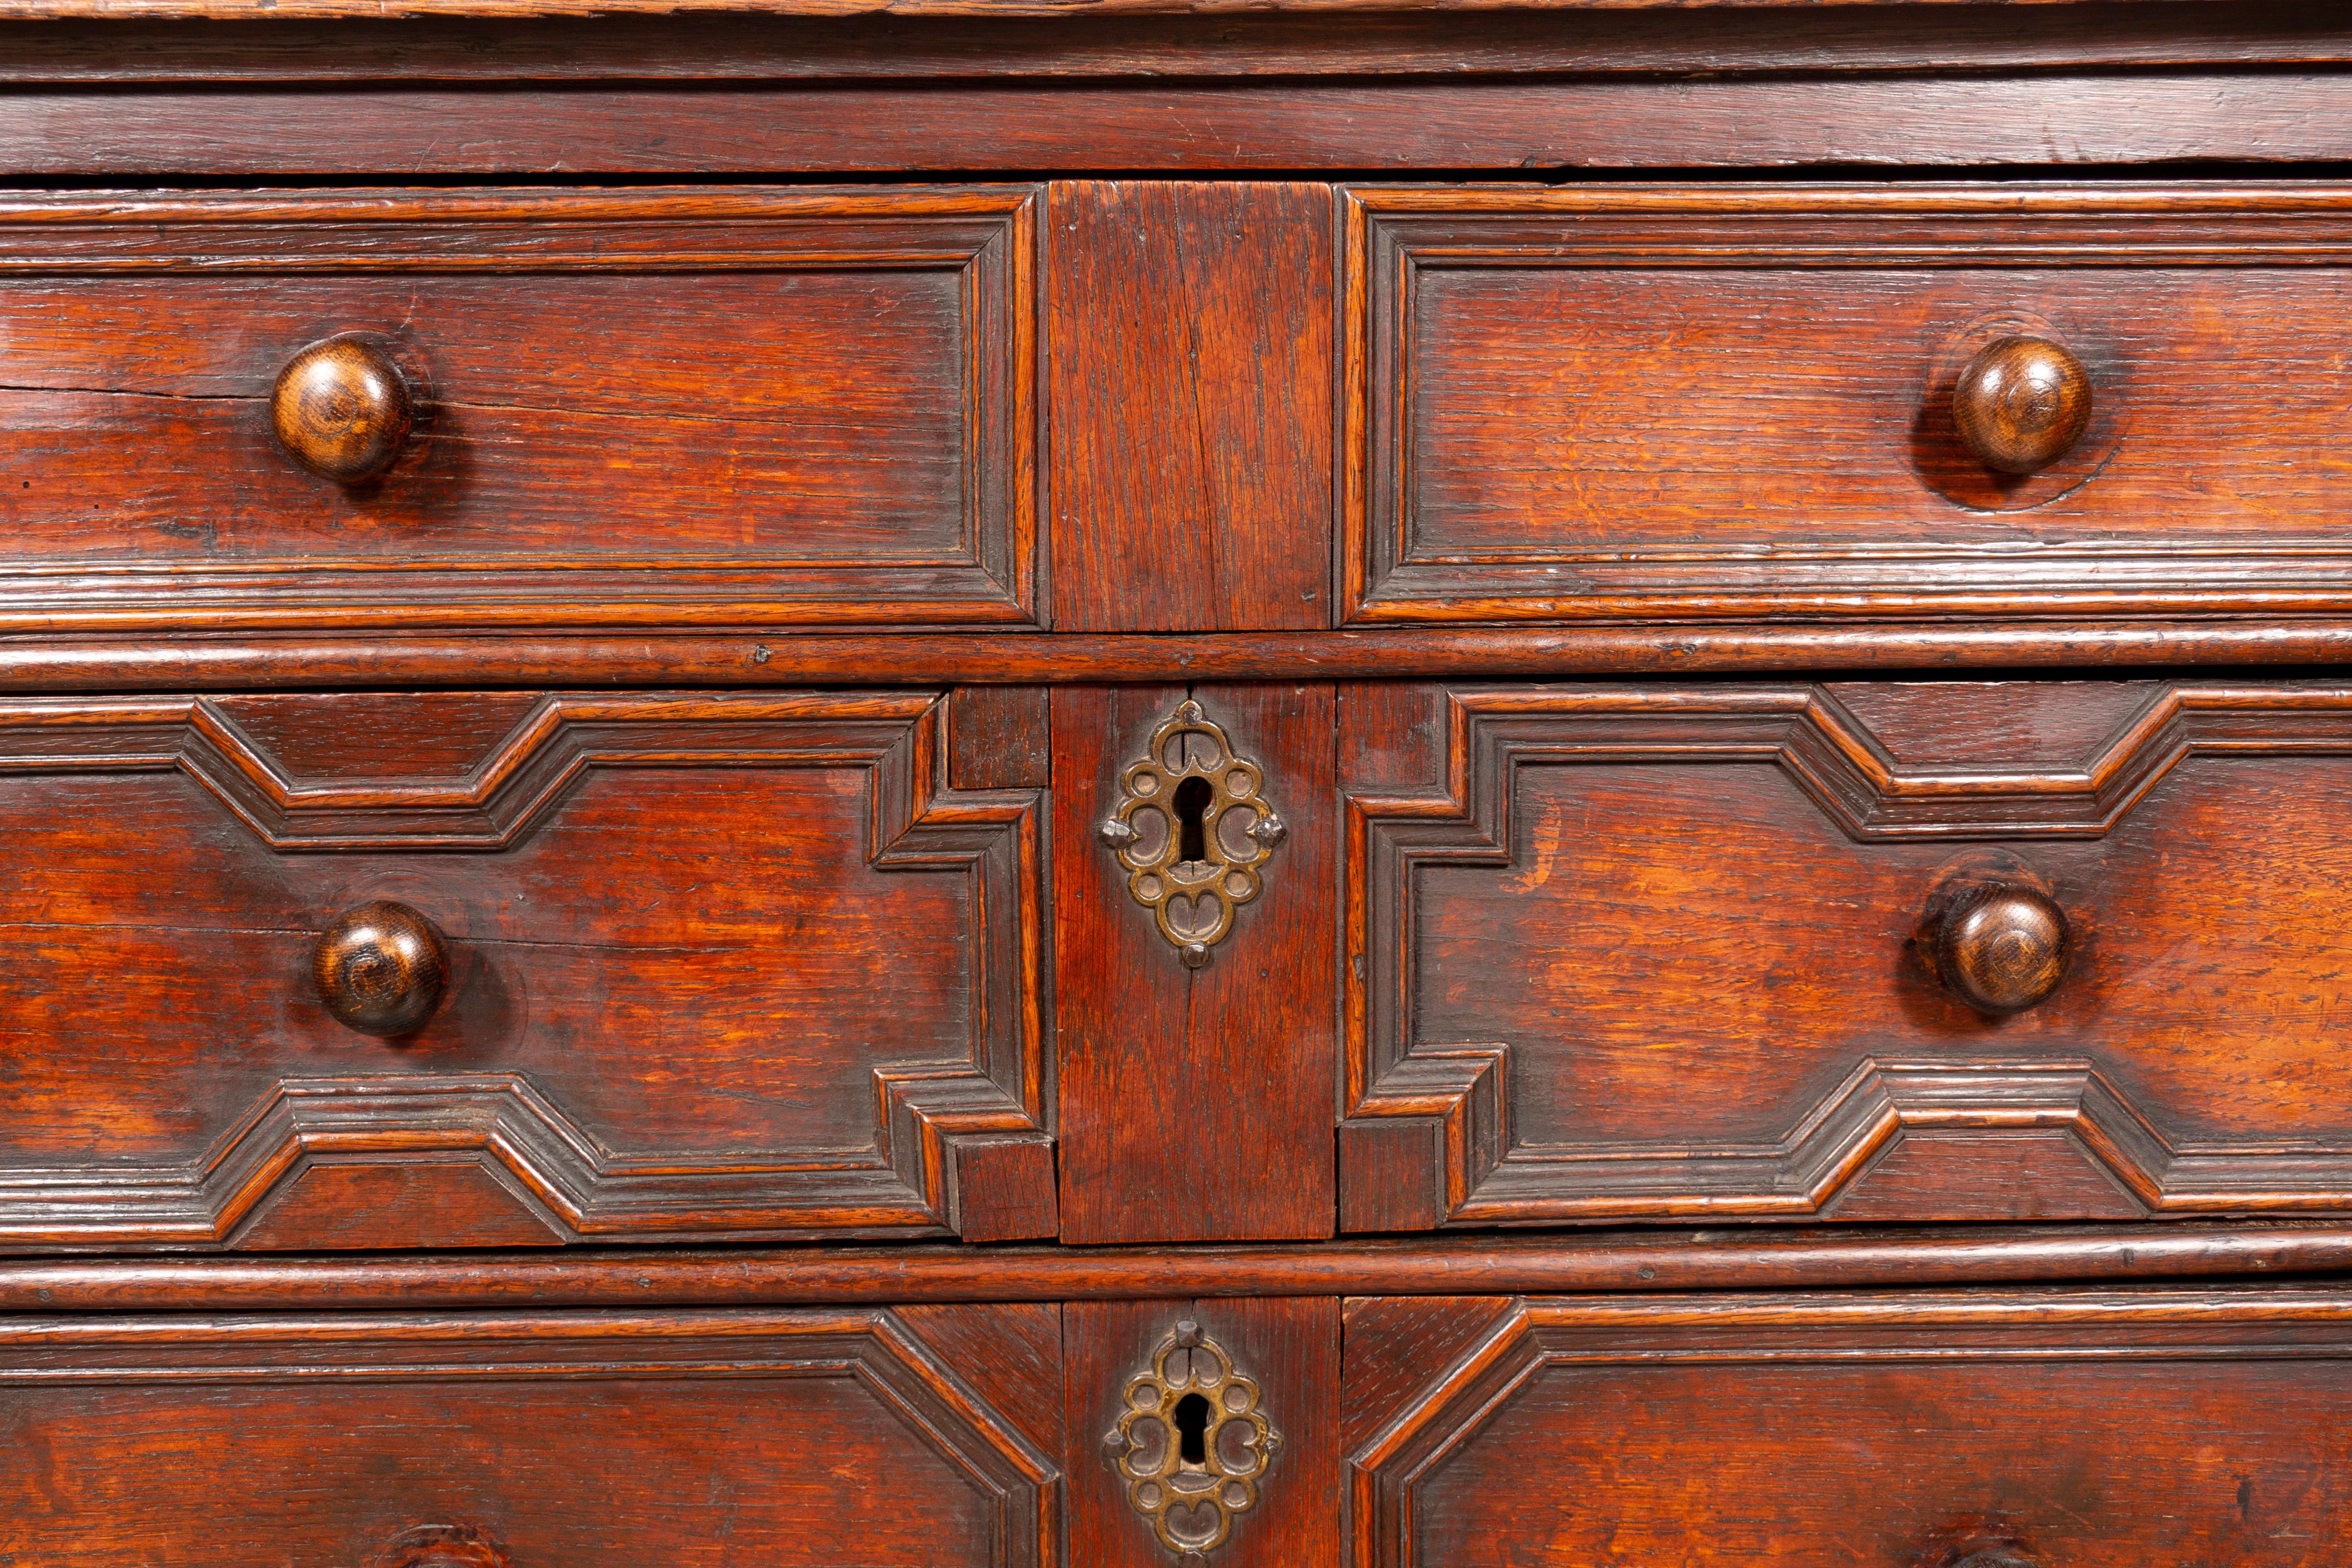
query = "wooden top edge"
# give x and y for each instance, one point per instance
(279, 10)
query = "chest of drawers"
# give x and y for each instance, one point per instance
(1048, 786)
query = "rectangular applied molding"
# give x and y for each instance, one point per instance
(1690, 403)
(581, 408)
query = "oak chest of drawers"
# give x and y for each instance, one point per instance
(1013, 785)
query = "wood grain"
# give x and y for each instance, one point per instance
(2281, 636)
(1779, 1033)
(667, 920)
(1687, 403)
(1290, 1346)
(765, 406)
(1196, 1104)
(1637, 1260)
(1190, 350)
(2033, 119)
(702, 46)
(588, 1438)
(1884, 1430)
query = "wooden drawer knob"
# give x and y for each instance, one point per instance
(2022, 404)
(341, 409)
(2000, 948)
(381, 969)
(443, 1546)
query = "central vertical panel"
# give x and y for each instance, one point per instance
(1197, 1104)
(1189, 333)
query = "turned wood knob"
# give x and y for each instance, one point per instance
(2022, 404)
(341, 409)
(443, 1546)
(2000, 948)
(381, 969)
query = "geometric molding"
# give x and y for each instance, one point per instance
(978, 566)
(1588, 1341)
(1771, 559)
(1428, 1138)
(960, 1145)
(868, 1366)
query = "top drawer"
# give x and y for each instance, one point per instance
(676, 406)
(1717, 402)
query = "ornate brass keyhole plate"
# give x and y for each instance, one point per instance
(1192, 1443)
(1191, 829)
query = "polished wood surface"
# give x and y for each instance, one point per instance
(1724, 401)
(1195, 1102)
(750, 407)
(1999, 947)
(1883, 1429)
(666, 918)
(342, 408)
(381, 969)
(559, 845)
(1781, 1047)
(1635, 1260)
(2022, 403)
(590, 1438)
(1191, 404)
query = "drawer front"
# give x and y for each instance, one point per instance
(1694, 403)
(491, 969)
(673, 407)
(802, 1439)
(1867, 951)
(1999, 1431)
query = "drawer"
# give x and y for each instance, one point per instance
(1891, 951)
(493, 969)
(1995, 1430)
(558, 407)
(483, 1441)
(1690, 403)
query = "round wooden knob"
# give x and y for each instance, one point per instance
(2022, 404)
(341, 409)
(1999, 948)
(381, 968)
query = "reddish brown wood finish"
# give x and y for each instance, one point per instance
(1646, 1259)
(596, 1440)
(1196, 1103)
(1398, 123)
(1191, 354)
(1694, 403)
(1885, 1430)
(668, 922)
(1290, 1347)
(747, 407)
(1642, 950)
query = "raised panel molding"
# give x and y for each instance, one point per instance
(902, 1381)
(313, 558)
(1608, 1355)
(1429, 1137)
(960, 1146)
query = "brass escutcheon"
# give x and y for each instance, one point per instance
(1189, 1502)
(1190, 791)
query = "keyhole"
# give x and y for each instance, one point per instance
(1192, 803)
(1192, 1427)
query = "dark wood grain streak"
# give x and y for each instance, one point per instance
(1495, 124)
(1190, 365)
(687, 47)
(1661, 1258)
